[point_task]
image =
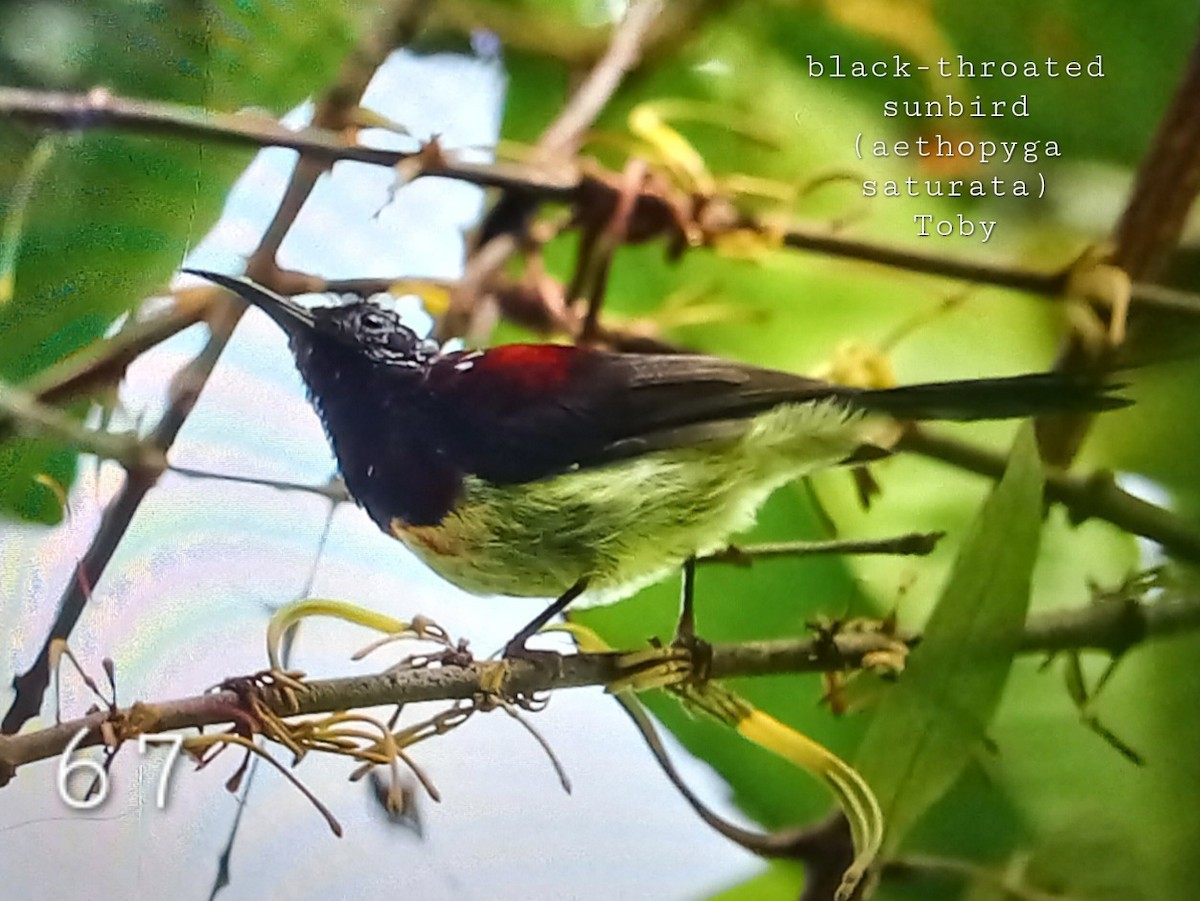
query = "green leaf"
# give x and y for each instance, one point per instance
(928, 728)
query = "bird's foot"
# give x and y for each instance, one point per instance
(496, 680)
(517, 649)
(686, 660)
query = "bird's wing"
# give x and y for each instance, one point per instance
(521, 412)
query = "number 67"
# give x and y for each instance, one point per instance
(67, 766)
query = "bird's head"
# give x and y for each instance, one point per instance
(362, 332)
(364, 370)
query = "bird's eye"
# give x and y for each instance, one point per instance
(373, 321)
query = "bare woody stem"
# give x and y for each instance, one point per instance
(1088, 497)
(559, 182)
(1111, 625)
(1146, 236)
(554, 152)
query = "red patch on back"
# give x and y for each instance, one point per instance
(530, 366)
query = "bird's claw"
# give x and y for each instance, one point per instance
(686, 659)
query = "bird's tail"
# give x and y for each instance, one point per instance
(1003, 398)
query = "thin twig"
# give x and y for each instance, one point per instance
(36, 420)
(580, 111)
(103, 363)
(334, 490)
(818, 240)
(586, 104)
(768, 844)
(1094, 497)
(913, 544)
(559, 770)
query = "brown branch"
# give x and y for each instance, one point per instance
(334, 112)
(488, 258)
(1094, 497)
(557, 183)
(916, 544)
(99, 109)
(1000, 275)
(818, 240)
(102, 364)
(624, 50)
(1111, 625)
(1145, 238)
(1168, 180)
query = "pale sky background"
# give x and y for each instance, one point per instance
(185, 601)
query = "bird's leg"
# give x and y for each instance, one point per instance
(686, 659)
(685, 628)
(516, 645)
(698, 650)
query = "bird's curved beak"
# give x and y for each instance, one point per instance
(288, 315)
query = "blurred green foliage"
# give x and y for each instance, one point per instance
(113, 213)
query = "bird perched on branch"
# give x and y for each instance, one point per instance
(543, 470)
